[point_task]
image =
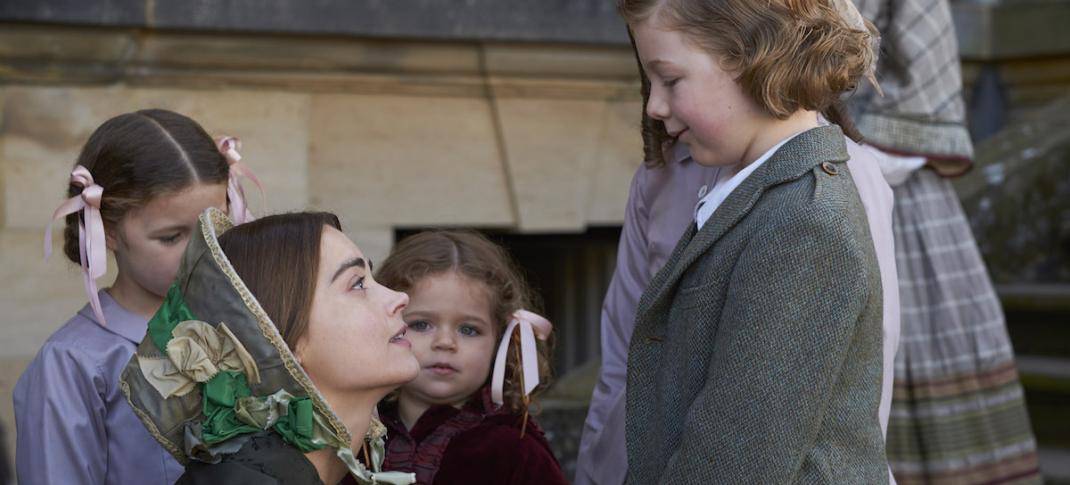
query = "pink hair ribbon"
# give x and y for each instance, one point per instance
(239, 210)
(92, 247)
(530, 325)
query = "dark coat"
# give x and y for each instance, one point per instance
(756, 356)
(264, 460)
(475, 444)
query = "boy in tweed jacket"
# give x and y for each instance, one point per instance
(756, 355)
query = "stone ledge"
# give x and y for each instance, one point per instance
(588, 21)
(987, 29)
(34, 54)
(123, 46)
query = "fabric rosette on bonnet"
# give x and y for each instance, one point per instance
(213, 370)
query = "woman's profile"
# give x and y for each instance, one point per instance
(269, 354)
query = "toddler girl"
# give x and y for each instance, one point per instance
(455, 423)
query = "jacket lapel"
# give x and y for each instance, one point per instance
(797, 157)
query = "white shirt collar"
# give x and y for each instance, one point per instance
(724, 185)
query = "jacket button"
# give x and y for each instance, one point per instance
(829, 168)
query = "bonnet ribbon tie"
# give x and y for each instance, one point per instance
(529, 325)
(239, 210)
(92, 248)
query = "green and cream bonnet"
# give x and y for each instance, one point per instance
(213, 370)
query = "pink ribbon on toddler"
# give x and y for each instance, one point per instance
(530, 325)
(92, 248)
(239, 210)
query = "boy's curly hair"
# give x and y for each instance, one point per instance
(787, 54)
(474, 256)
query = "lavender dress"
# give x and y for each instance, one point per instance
(72, 423)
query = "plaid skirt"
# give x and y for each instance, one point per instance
(958, 410)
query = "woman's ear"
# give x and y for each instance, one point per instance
(299, 349)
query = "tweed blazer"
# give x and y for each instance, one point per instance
(756, 356)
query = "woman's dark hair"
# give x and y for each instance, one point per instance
(278, 258)
(475, 257)
(141, 155)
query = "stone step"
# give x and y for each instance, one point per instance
(1046, 381)
(1050, 297)
(1042, 366)
(1038, 318)
(1055, 465)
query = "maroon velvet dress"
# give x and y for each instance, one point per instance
(472, 445)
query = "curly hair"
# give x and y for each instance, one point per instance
(472, 255)
(787, 54)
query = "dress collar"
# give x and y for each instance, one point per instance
(120, 321)
(479, 404)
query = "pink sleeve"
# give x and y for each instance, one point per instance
(878, 202)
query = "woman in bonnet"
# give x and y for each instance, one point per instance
(271, 350)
